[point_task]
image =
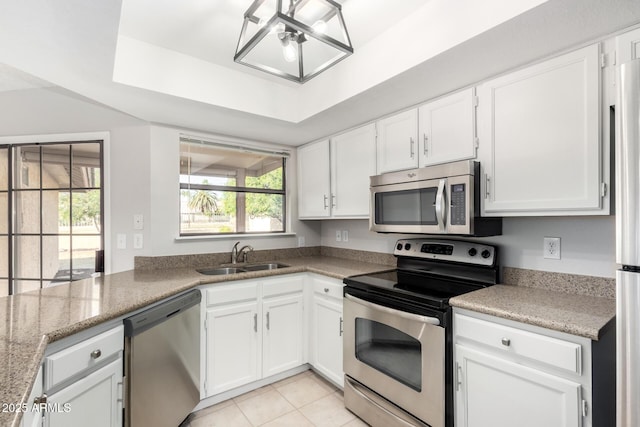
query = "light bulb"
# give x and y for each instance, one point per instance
(289, 51)
(319, 26)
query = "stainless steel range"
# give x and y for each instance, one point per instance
(397, 331)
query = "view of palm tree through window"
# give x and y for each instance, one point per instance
(50, 214)
(225, 190)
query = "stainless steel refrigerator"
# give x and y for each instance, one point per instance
(628, 246)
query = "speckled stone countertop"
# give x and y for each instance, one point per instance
(582, 315)
(29, 321)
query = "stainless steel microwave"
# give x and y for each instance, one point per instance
(440, 199)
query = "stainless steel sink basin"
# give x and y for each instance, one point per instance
(219, 271)
(269, 266)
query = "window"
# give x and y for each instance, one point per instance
(230, 190)
(50, 214)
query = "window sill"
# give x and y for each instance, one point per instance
(233, 237)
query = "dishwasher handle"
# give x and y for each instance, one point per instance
(147, 319)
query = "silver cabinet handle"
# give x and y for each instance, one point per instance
(40, 399)
(341, 326)
(267, 320)
(326, 199)
(326, 290)
(458, 376)
(425, 140)
(506, 342)
(410, 316)
(411, 143)
(96, 353)
(487, 183)
(333, 200)
(255, 322)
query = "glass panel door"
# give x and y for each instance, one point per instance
(50, 213)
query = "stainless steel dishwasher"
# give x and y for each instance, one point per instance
(162, 362)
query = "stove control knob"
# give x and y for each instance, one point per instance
(399, 247)
(407, 246)
(485, 253)
(472, 252)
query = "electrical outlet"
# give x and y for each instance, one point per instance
(338, 236)
(301, 241)
(551, 249)
(345, 235)
(138, 222)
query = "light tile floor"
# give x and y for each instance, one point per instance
(304, 400)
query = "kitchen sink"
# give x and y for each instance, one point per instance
(219, 271)
(269, 266)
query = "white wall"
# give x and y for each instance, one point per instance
(587, 243)
(142, 177)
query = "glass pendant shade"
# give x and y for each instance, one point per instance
(296, 40)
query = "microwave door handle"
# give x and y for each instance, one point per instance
(441, 205)
(410, 316)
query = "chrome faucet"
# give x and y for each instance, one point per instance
(234, 253)
(244, 251)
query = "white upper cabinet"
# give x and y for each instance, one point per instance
(334, 176)
(353, 161)
(398, 142)
(447, 129)
(314, 186)
(628, 46)
(540, 142)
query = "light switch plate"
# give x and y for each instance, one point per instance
(345, 235)
(138, 241)
(121, 241)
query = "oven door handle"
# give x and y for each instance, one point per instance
(410, 316)
(441, 205)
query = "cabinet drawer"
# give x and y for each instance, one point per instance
(282, 285)
(237, 292)
(69, 362)
(330, 289)
(551, 351)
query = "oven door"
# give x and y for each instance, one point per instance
(398, 355)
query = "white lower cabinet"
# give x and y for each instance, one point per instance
(496, 392)
(31, 416)
(82, 382)
(253, 329)
(326, 328)
(509, 373)
(94, 400)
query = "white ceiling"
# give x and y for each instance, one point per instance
(171, 62)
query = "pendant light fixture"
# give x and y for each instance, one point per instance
(294, 39)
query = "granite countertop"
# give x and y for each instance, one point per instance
(29, 321)
(582, 315)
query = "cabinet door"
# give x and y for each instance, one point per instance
(353, 161)
(539, 131)
(398, 142)
(447, 130)
(282, 333)
(232, 347)
(327, 339)
(313, 180)
(95, 400)
(494, 392)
